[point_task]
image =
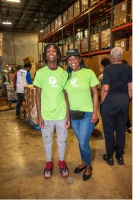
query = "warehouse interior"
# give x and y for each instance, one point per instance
(94, 27)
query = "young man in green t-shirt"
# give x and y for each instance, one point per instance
(52, 107)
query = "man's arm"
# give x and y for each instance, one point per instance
(28, 78)
(38, 105)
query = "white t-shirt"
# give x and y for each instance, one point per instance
(21, 80)
(100, 81)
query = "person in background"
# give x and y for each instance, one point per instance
(23, 78)
(52, 107)
(116, 93)
(81, 89)
(15, 75)
(104, 62)
(128, 124)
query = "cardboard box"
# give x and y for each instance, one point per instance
(94, 2)
(65, 17)
(52, 26)
(95, 42)
(105, 38)
(123, 43)
(84, 45)
(58, 22)
(33, 70)
(28, 59)
(71, 45)
(48, 29)
(84, 5)
(70, 13)
(78, 45)
(122, 12)
(77, 10)
(98, 69)
(65, 49)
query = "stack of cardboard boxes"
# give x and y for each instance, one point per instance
(30, 104)
(95, 42)
(122, 12)
(11, 93)
(105, 38)
(29, 59)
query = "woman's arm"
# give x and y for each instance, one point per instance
(95, 104)
(130, 90)
(104, 92)
(67, 110)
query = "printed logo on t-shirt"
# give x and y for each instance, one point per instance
(73, 82)
(52, 81)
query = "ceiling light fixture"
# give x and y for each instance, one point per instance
(8, 23)
(17, 1)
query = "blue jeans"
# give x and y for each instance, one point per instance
(20, 98)
(83, 129)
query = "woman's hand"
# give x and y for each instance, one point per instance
(94, 117)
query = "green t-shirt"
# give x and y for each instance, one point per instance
(52, 82)
(78, 88)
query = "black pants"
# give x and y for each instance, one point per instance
(114, 112)
(20, 98)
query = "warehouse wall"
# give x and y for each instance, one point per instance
(17, 46)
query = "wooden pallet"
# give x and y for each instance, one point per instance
(4, 104)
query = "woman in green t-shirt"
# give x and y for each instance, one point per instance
(81, 88)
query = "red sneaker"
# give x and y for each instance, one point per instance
(48, 169)
(63, 168)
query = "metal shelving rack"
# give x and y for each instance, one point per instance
(88, 19)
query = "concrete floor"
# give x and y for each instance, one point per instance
(22, 160)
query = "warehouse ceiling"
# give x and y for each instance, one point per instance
(30, 15)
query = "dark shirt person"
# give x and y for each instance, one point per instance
(116, 93)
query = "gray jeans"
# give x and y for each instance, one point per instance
(47, 134)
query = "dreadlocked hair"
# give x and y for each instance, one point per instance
(57, 49)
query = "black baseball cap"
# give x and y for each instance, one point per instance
(72, 52)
